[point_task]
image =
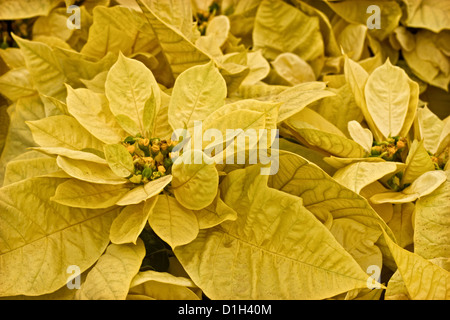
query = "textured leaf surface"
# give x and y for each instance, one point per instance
(81, 194)
(423, 279)
(197, 92)
(432, 221)
(387, 95)
(131, 221)
(264, 256)
(195, 180)
(128, 86)
(111, 276)
(173, 223)
(40, 238)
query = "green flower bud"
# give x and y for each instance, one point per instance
(147, 173)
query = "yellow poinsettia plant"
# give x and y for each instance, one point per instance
(222, 149)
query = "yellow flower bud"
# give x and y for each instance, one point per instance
(161, 169)
(131, 148)
(155, 148)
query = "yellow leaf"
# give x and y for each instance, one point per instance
(423, 279)
(387, 94)
(111, 276)
(361, 135)
(195, 180)
(161, 286)
(48, 132)
(12, 10)
(40, 239)
(197, 92)
(89, 171)
(128, 86)
(293, 69)
(129, 224)
(432, 221)
(81, 194)
(92, 112)
(360, 174)
(173, 223)
(269, 251)
(418, 162)
(142, 193)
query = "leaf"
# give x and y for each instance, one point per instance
(111, 276)
(298, 97)
(422, 186)
(180, 53)
(195, 180)
(48, 132)
(118, 29)
(267, 252)
(273, 34)
(19, 137)
(357, 77)
(417, 163)
(81, 194)
(142, 193)
(340, 108)
(401, 224)
(13, 10)
(214, 214)
(293, 69)
(429, 14)
(92, 111)
(361, 135)
(335, 144)
(259, 68)
(423, 279)
(430, 127)
(89, 171)
(45, 69)
(197, 92)
(18, 170)
(119, 160)
(129, 224)
(387, 95)
(354, 11)
(325, 197)
(16, 83)
(173, 223)
(431, 229)
(161, 286)
(86, 154)
(128, 86)
(40, 239)
(360, 174)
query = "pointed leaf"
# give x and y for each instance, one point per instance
(89, 171)
(93, 113)
(417, 163)
(111, 276)
(128, 86)
(360, 174)
(195, 180)
(49, 132)
(119, 160)
(387, 95)
(268, 252)
(432, 221)
(129, 224)
(81, 194)
(145, 192)
(40, 238)
(197, 92)
(423, 279)
(173, 223)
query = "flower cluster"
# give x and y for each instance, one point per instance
(152, 158)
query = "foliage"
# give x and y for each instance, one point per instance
(100, 168)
